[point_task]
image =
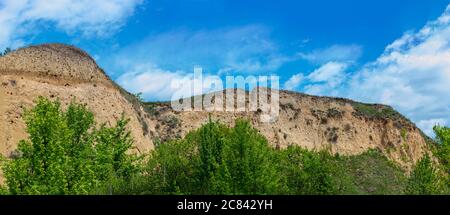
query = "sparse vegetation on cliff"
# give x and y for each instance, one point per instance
(376, 111)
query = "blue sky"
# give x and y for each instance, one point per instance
(392, 52)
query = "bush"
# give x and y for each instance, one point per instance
(431, 177)
(376, 111)
(65, 154)
(171, 168)
(372, 173)
(425, 179)
(309, 172)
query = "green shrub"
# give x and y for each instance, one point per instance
(309, 172)
(376, 111)
(426, 179)
(372, 173)
(171, 168)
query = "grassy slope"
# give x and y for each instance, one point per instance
(373, 173)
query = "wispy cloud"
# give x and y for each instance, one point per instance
(243, 49)
(162, 85)
(294, 81)
(150, 65)
(333, 61)
(21, 18)
(343, 53)
(428, 124)
(153, 82)
(332, 72)
(324, 80)
(413, 75)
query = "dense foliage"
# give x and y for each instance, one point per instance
(217, 159)
(66, 153)
(443, 146)
(426, 179)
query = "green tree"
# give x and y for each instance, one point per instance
(309, 172)
(250, 161)
(215, 159)
(443, 147)
(43, 165)
(139, 97)
(171, 168)
(65, 154)
(425, 179)
(212, 172)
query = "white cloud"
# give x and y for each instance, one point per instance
(21, 18)
(162, 85)
(151, 81)
(172, 55)
(428, 124)
(324, 80)
(330, 72)
(413, 75)
(342, 53)
(243, 49)
(294, 82)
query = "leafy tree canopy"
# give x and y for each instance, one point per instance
(66, 154)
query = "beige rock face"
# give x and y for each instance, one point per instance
(67, 73)
(64, 72)
(56, 61)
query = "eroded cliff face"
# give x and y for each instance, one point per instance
(65, 72)
(339, 125)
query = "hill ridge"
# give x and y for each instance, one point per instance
(314, 122)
